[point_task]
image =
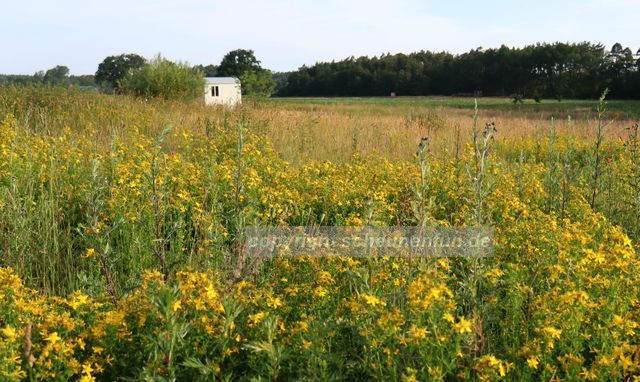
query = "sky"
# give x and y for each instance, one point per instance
(286, 34)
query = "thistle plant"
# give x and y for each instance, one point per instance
(272, 353)
(596, 154)
(239, 219)
(166, 346)
(632, 146)
(95, 235)
(553, 168)
(568, 178)
(158, 196)
(482, 140)
(481, 187)
(423, 202)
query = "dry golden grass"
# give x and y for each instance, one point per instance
(307, 131)
(336, 131)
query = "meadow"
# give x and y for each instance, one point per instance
(122, 222)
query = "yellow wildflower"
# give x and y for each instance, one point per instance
(373, 300)
(255, 319)
(9, 333)
(53, 337)
(320, 291)
(463, 326)
(552, 332)
(418, 332)
(274, 302)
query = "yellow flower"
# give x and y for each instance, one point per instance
(494, 274)
(255, 319)
(324, 278)
(176, 305)
(53, 337)
(410, 376)
(625, 362)
(463, 326)
(86, 378)
(552, 332)
(9, 332)
(533, 362)
(86, 368)
(320, 291)
(302, 326)
(77, 300)
(373, 300)
(90, 252)
(493, 363)
(274, 302)
(418, 332)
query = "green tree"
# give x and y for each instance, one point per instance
(114, 68)
(164, 79)
(209, 70)
(85, 80)
(38, 77)
(258, 82)
(243, 64)
(238, 61)
(57, 75)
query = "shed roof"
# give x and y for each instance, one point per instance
(222, 80)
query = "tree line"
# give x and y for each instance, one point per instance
(130, 73)
(558, 70)
(58, 75)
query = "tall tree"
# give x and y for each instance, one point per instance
(57, 75)
(258, 82)
(209, 70)
(238, 61)
(243, 64)
(114, 69)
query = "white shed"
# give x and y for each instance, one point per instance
(222, 91)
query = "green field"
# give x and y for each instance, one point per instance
(620, 109)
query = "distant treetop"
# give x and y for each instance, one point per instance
(113, 69)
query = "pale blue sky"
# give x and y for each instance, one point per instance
(285, 34)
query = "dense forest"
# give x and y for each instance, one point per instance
(559, 70)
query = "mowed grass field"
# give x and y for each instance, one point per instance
(123, 221)
(622, 109)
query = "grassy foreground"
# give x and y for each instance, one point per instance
(121, 219)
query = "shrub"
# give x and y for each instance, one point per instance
(165, 79)
(258, 83)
